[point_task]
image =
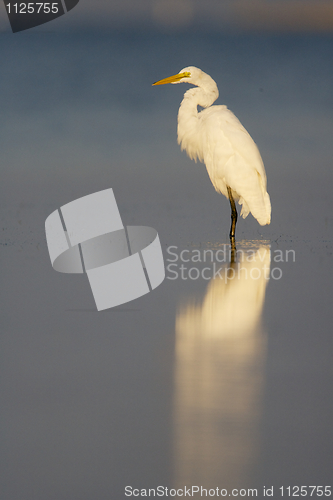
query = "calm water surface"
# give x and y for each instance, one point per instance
(219, 383)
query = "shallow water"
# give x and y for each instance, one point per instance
(218, 383)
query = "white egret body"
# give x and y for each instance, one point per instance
(217, 138)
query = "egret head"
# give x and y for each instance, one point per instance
(190, 74)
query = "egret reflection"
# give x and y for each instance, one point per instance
(219, 373)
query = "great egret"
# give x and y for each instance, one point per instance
(217, 138)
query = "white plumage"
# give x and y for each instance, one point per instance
(217, 138)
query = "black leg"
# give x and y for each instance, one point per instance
(233, 213)
(233, 224)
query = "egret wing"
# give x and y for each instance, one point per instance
(232, 158)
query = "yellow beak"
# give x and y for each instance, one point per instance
(173, 78)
